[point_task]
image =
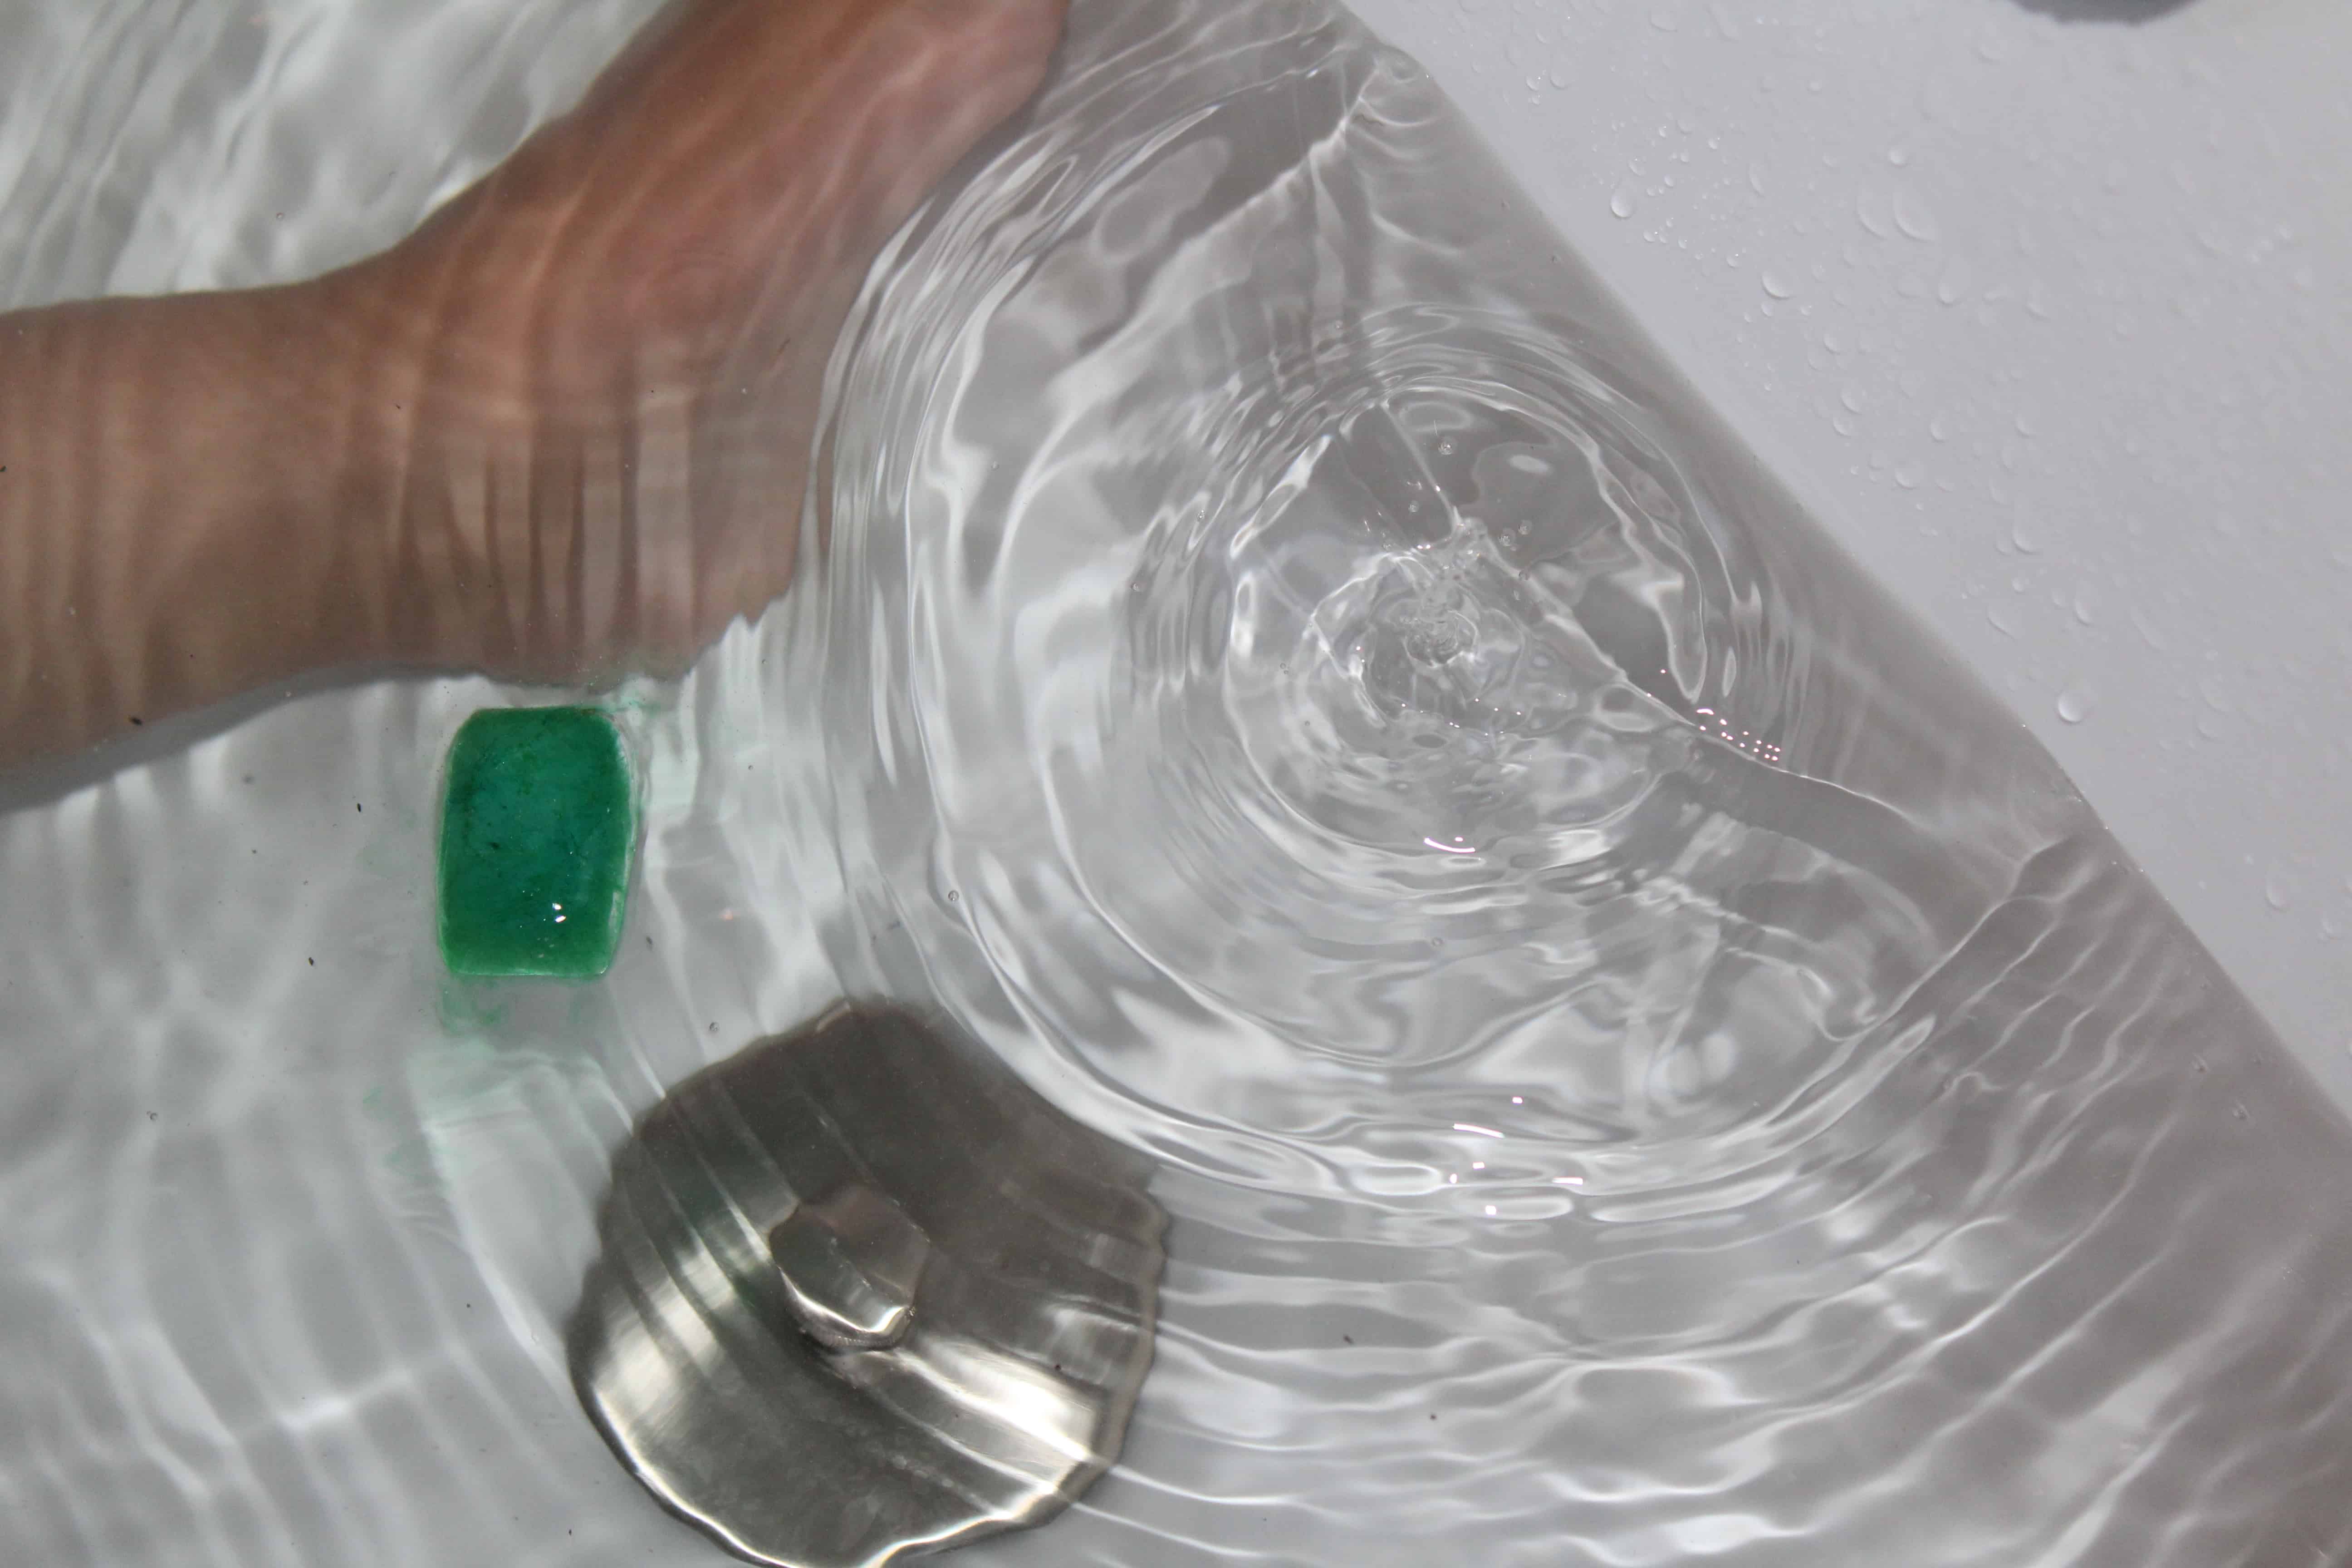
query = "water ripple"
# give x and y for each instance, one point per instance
(1649, 1064)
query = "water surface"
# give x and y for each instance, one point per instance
(1648, 1063)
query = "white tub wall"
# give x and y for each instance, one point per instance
(2047, 319)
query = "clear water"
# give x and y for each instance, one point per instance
(1649, 1064)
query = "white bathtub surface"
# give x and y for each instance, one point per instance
(290, 1222)
(2044, 317)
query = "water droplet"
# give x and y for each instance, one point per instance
(1867, 212)
(2278, 889)
(2074, 703)
(1953, 286)
(1775, 285)
(1913, 217)
(1625, 202)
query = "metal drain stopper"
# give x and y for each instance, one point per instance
(863, 1294)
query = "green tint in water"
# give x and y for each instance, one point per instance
(536, 830)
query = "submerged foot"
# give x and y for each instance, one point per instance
(613, 347)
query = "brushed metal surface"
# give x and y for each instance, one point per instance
(862, 1294)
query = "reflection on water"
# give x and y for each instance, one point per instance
(1645, 1062)
(1649, 1064)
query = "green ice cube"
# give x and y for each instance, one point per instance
(537, 825)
